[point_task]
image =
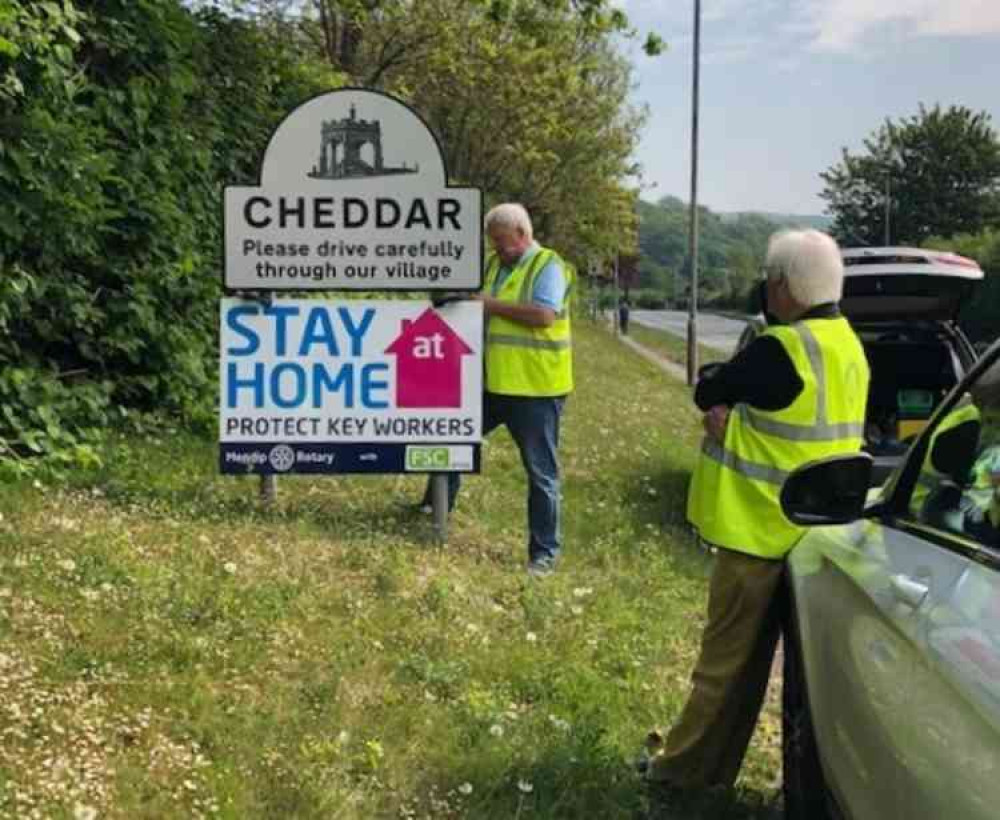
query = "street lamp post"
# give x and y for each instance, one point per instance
(692, 327)
(888, 208)
(614, 307)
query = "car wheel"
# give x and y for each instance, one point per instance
(805, 790)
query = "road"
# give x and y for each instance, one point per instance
(713, 331)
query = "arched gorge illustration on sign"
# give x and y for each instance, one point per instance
(340, 150)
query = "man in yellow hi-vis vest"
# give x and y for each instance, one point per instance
(529, 366)
(796, 393)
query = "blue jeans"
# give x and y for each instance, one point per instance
(533, 423)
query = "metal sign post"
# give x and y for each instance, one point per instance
(614, 307)
(692, 327)
(439, 503)
(268, 489)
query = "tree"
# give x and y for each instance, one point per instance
(980, 315)
(529, 98)
(730, 253)
(939, 172)
(342, 29)
(528, 110)
(119, 124)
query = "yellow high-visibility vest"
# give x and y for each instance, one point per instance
(734, 499)
(522, 360)
(930, 477)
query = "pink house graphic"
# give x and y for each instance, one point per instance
(429, 362)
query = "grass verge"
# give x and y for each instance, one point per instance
(671, 347)
(173, 650)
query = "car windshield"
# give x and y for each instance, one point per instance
(959, 484)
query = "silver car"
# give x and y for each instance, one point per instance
(892, 658)
(904, 303)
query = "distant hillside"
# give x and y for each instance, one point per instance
(731, 251)
(817, 221)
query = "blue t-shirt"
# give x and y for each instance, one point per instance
(550, 284)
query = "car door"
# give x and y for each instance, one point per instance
(899, 619)
(861, 651)
(952, 517)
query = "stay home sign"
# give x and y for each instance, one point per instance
(353, 195)
(350, 386)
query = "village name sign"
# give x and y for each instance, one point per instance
(353, 195)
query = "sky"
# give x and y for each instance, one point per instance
(786, 84)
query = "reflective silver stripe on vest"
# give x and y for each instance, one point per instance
(526, 297)
(820, 430)
(815, 355)
(799, 432)
(521, 341)
(751, 469)
(492, 272)
(538, 261)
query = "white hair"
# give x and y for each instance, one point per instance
(510, 216)
(811, 264)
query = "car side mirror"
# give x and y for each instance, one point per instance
(830, 491)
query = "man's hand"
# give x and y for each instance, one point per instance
(714, 422)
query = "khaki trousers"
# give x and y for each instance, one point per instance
(746, 611)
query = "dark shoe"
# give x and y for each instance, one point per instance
(651, 746)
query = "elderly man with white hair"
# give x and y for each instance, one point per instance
(796, 393)
(529, 367)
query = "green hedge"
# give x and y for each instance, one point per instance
(119, 124)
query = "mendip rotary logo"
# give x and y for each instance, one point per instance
(282, 458)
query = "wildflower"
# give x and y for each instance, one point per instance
(465, 788)
(559, 723)
(496, 730)
(230, 567)
(531, 637)
(525, 786)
